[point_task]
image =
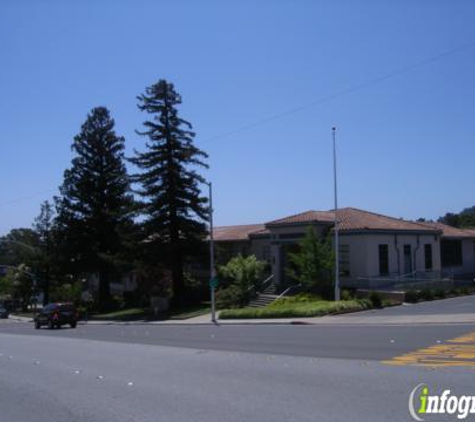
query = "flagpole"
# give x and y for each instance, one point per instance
(337, 261)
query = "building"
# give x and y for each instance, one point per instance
(374, 248)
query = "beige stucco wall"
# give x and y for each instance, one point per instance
(364, 252)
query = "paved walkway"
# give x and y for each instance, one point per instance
(460, 310)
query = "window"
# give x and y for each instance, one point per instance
(451, 253)
(344, 259)
(428, 256)
(383, 260)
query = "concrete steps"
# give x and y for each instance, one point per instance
(262, 300)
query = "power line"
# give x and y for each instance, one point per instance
(25, 198)
(338, 94)
(311, 104)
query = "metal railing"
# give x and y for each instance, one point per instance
(262, 286)
(404, 282)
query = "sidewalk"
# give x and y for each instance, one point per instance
(330, 320)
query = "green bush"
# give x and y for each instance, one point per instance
(440, 294)
(375, 299)
(346, 295)
(427, 294)
(296, 309)
(231, 297)
(244, 272)
(411, 296)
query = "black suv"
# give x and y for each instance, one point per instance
(54, 315)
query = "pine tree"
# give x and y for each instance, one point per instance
(173, 208)
(95, 203)
(43, 226)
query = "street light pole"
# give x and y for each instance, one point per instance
(212, 269)
(337, 260)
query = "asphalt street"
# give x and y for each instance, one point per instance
(223, 373)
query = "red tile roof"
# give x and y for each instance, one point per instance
(353, 219)
(449, 231)
(350, 220)
(305, 217)
(235, 233)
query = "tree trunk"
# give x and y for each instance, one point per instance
(104, 290)
(177, 276)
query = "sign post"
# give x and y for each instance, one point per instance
(213, 281)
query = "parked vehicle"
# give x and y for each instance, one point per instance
(54, 315)
(3, 312)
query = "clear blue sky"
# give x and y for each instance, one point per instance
(406, 144)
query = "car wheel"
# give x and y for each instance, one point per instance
(37, 325)
(50, 324)
(73, 324)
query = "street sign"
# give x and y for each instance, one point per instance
(213, 282)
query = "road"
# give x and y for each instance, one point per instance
(232, 373)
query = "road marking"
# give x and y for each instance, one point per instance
(459, 351)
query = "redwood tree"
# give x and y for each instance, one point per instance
(173, 208)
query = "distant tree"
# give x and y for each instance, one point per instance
(6, 285)
(46, 251)
(94, 208)
(466, 218)
(173, 208)
(20, 283)
(18, 246)
(450, 219)
(313, 264)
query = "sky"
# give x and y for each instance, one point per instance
(263, 83)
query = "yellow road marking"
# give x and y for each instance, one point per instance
(459, 351)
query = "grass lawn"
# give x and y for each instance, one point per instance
(137, 314)
(299, 306)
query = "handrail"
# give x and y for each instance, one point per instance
(283, 293)
(287, 290)
(263, 283)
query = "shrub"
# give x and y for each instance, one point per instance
(375, 299)
(243, 272)
(411, 296)
(440, 294)
(281, 309)
(346, 295)
(231, 297)
(427, 294)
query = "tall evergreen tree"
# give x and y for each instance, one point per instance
(43, 226)
(173, 207)
(94, 209)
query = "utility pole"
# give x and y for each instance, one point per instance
(213, 280)
(337, 260)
